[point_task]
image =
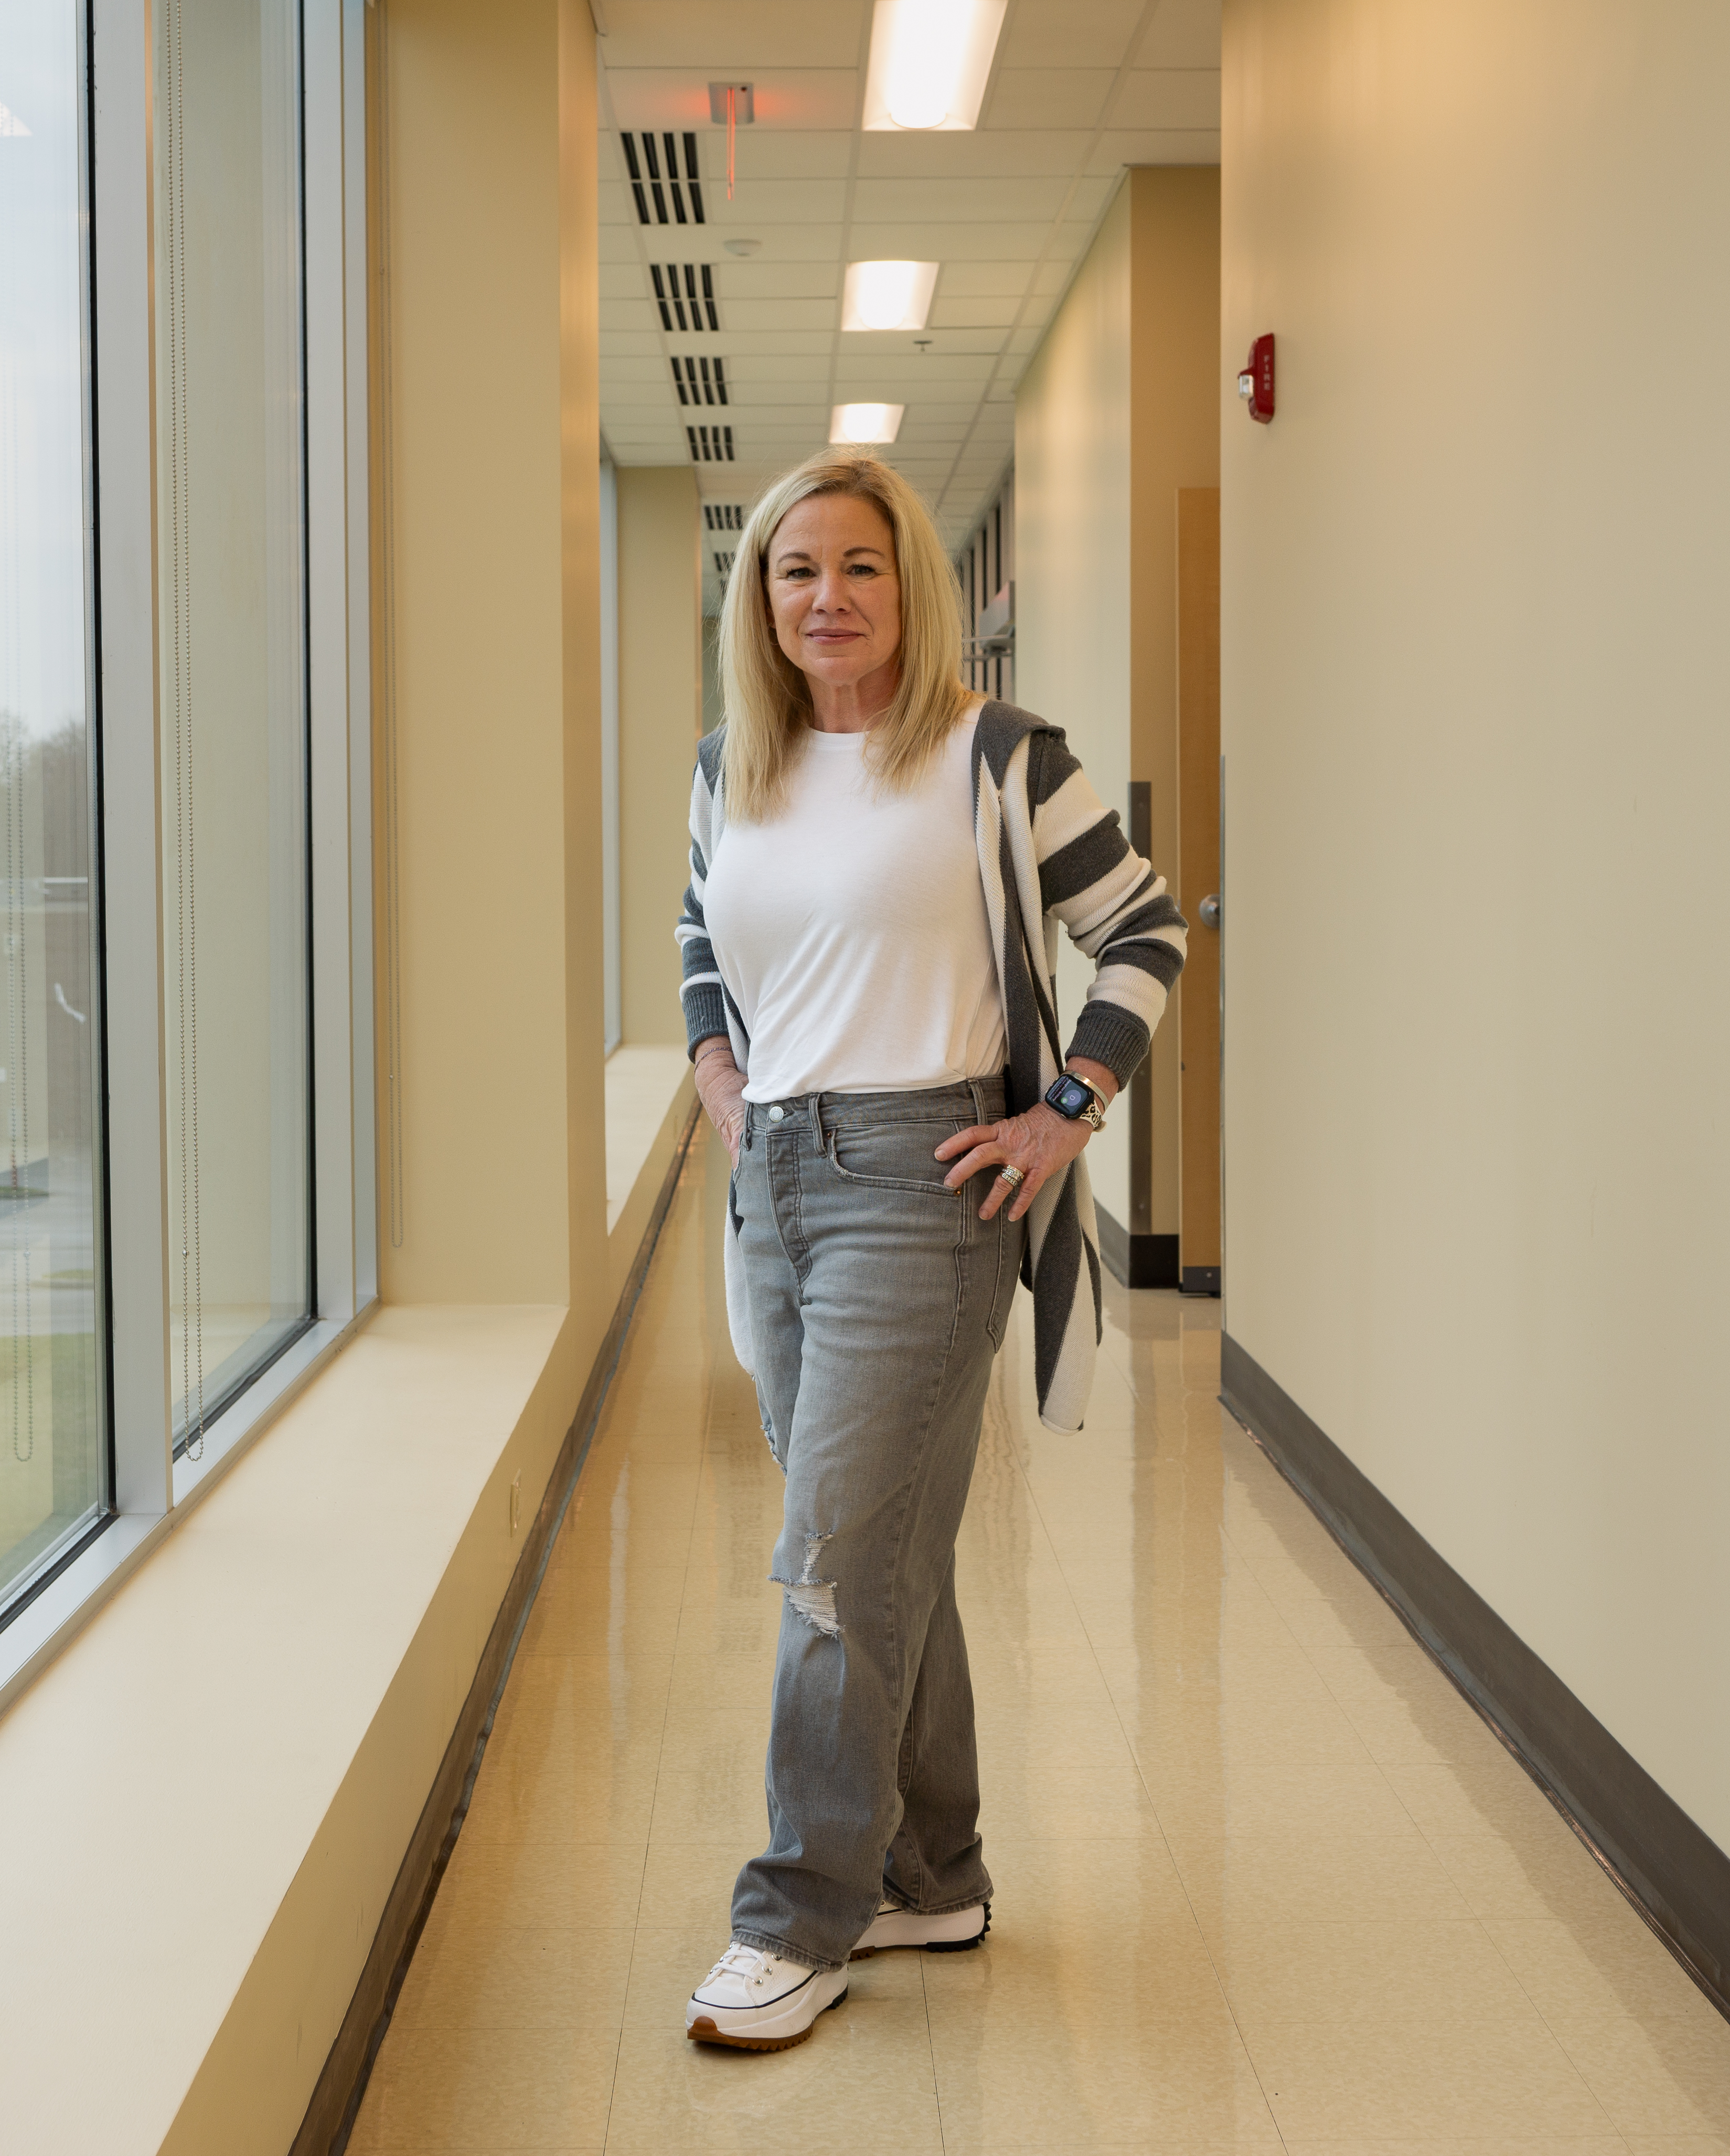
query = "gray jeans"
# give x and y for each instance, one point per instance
(878, 1299)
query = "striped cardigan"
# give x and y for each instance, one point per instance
(1049, 851)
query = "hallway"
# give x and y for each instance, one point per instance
(1263, 1879)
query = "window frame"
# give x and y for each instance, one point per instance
(150, 1489)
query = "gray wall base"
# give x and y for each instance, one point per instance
(342, 2082)
(1670, 1867)
(1137, 1260)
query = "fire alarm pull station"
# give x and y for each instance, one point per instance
(1255, 384)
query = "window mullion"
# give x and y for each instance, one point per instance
(137, 1211)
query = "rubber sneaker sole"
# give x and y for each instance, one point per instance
(906, 1927)
(768, 2035)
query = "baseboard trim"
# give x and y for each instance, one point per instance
(1674, 1873)
(1137, 1261)
(341, 2085)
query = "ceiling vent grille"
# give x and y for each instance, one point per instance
(724, 516)
(723, 566)
(653, 163)
(710, 445)
(696, 384)
(685, 308)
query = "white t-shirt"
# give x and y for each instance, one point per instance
(851, 931)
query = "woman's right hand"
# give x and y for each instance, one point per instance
(720, 1088)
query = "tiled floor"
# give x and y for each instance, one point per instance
(1263, 1880)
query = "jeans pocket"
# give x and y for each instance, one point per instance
(893, 1155)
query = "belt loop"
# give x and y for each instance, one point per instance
(814, 1102)
(979, 1114)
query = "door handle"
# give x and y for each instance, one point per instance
(1210, 911)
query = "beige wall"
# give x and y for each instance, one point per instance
(660, 716)
(1175, 442)
(1475, 683)
(1118, 410)
(1072, 560)
(494, 1175)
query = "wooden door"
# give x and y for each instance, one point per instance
(1198, 879)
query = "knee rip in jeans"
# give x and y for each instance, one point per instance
(814, 1599)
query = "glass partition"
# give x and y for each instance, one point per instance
(53, 1468)
(232, 633)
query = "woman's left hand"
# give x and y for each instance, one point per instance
(1041, 1143)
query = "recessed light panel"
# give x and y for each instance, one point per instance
(930, 61)
(888, 295)
(865, 423)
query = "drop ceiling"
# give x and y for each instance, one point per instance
(1079, 90)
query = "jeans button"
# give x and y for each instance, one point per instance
(775, 1114)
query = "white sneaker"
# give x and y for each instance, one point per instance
(953, 1932)
(760, 2002)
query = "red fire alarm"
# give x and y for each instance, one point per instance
(1255, 384)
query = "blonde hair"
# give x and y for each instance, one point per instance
(767, 698)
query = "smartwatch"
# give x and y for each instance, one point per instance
(1078, 1100)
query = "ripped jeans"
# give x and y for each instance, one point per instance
(878, 1299)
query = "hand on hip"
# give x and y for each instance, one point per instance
(1038, 1145)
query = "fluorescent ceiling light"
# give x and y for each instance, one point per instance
(865, 423)
(929, 63)
(888, 295)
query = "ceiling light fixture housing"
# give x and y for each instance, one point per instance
(863, 424)
(930, 63)
(888, 295)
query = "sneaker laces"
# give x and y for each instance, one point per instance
(749, 1963)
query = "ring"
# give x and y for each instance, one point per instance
(1014, 1177)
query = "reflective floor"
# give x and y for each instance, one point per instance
(1264, 1881)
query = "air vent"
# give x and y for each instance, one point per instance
(653, 162)
(700, 381)
(723, 566)
(682, 306)
(710, 445)
(724, 516)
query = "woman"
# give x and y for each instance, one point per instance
(877, 855)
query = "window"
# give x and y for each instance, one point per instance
(231, 639)
(53, 1461)
(187, 1177)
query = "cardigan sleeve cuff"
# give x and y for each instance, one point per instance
(1106, 1033)
(705, 1013)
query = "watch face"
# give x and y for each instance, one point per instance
(1069, 1097)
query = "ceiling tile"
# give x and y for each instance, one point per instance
(642, 369)
(743, 315)
(939, 241)
(1062, 33)
(776, 281)
(773, 367)
(795, 99)
(963, 312)
(1049, 97)
(772, 153)
(632, 314)
(627, 342)
(979, 153)
(1169, 97)
(775, 343)
(778, 202)
(1155, 145)
(888, 201)
(624, 281)
(1185, 33)
(618, 244)
(983, 279)
(743, 34)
